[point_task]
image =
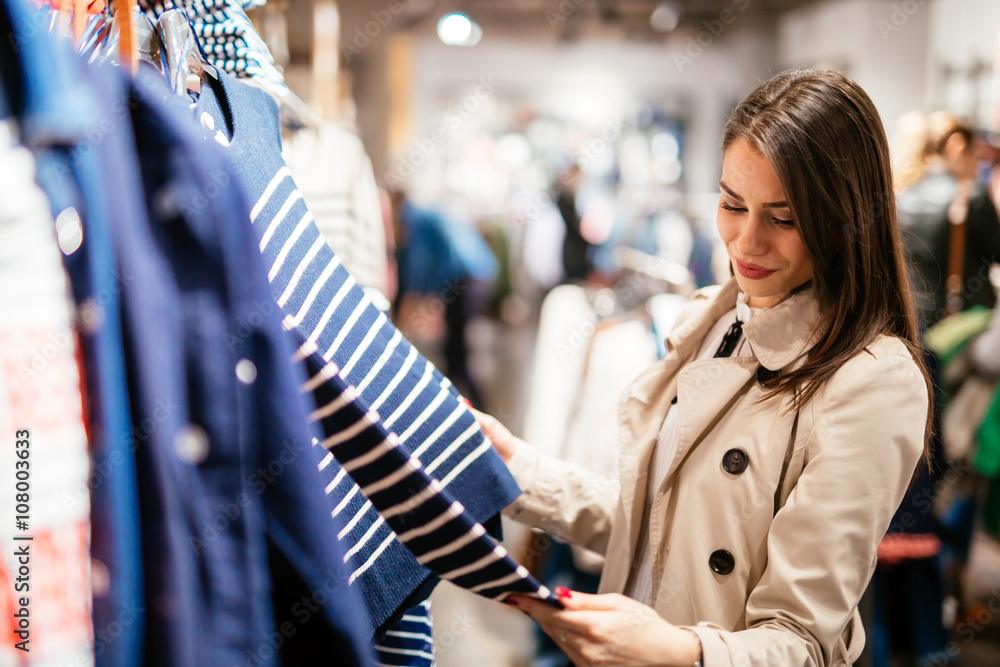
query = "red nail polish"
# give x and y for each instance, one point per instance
(563, 593)
(512, 602)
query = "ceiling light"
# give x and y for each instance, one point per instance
(665, 17)
(459, 30)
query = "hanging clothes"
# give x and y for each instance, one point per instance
(41, 414)
(208, 363)
(212, 393)
(228, 38)
(336, 180)
(425, 518)
(566, 322)
(53, 100)
(348, 342)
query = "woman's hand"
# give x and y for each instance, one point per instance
(503, 440)
(611, 630)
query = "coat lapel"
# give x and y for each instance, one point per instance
(705, 389)
(645, 403)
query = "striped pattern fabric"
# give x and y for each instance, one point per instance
(227, 37)
(335, 176)
(392, 423)
(425, 518)
(409, 642)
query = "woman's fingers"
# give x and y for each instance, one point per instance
(568, 641)
(502, 439)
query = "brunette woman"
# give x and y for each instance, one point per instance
(761, 461)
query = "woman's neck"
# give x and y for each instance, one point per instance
(765, 301)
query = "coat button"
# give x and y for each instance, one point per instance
(735, 461)
(765, 376)
(721, 562)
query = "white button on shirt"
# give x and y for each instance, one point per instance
(640, 582)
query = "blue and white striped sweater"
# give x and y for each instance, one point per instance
(425, 517)
(352, 348)
(409, 642)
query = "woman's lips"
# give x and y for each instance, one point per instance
(752, 271)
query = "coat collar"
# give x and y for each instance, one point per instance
(780, 335)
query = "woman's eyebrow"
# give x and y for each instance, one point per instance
(774, 204)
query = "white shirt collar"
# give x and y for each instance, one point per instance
(743, 310)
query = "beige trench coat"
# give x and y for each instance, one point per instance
(803, 520)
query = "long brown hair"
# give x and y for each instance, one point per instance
(822, 135)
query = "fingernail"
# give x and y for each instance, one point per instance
(563, 593)
(512, 602)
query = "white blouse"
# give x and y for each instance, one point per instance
(640, 582)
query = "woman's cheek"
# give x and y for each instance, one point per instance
(728, 227)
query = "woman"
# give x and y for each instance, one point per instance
(762, 459)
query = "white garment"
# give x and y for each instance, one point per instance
(40, 393)
(565, 326)
(640, 584)
(335, 177)
(618, 353)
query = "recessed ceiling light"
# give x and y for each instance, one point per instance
(665, 17)
(459, 30)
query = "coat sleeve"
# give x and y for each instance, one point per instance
(563, 499)
(861, 454)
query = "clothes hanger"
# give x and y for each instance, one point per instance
(127, 43)
(147, 41)
(183, 61)
(99, 32)
(61, 23)
(79, 19)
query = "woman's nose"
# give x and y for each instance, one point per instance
(752, 240)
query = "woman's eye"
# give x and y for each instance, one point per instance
(732, 208)
(783, 223)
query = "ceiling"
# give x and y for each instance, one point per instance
(572, 20)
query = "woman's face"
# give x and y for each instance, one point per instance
(764, 245)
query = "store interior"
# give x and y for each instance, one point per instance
(528, 191)
(480, 109)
